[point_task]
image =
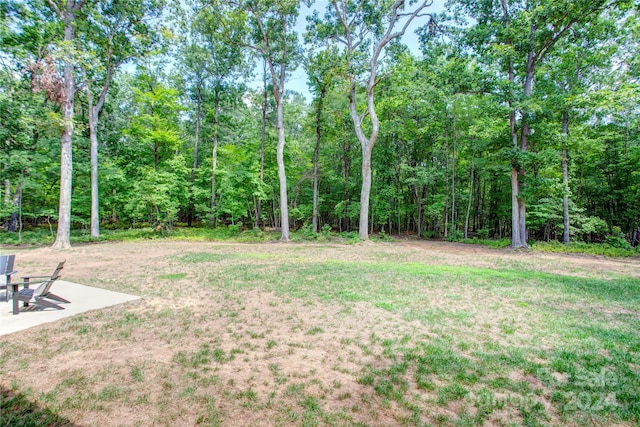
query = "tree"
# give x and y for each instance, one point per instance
(113, 34)
(518, 35)
(574, 69)
(321, 69)
(365, 29)
(270, 33)
(67, 12)
(213, 64)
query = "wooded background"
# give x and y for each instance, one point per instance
(510, 115)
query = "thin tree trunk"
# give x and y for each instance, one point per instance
(7, 190)
(346, 165)
(94, 114)
(565, 180)
(446, 178)
(214, 154)
(263, 138)
(95, 194)
(418, 193)
(471, 183)
(17, 202)
(453, 178)
(314, 220)
(196, 143)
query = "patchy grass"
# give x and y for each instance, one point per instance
(358, 334)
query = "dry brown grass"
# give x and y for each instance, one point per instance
(190, 354)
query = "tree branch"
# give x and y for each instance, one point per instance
(55, 8)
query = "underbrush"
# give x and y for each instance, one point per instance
(238, 233)
(605, 249)
(498, 244)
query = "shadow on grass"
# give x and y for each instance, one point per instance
(17, 410)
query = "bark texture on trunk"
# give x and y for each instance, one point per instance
(66, 150)
(95, 195)
(282, 176)
(314, 218)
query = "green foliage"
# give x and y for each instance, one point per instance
(442, 113)
(157, 196)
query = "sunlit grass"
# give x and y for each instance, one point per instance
(450, 344)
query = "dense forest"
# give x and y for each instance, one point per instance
(501, 118)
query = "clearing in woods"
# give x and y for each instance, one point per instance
(376, 334)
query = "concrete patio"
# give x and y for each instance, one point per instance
(83, 298)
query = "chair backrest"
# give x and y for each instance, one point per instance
(10, 261)
(6, 268)
(3, 268)
(56, 273)
(4, 260)
(45, 286)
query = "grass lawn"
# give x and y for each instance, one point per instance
(373, 334)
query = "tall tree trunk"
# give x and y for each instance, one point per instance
(446, 177)
(525, 129)
(346, 167)
(366, 145)
(7, 190)
(365, 192)
(196, 143)
(418, 192)
(471, 184)
(214, 153)
(63, 240)
(95, 195)
(263, 138)
(314, 219)
(17, 202)
(453, 178)
(516, 237)
(282, 176)
(565, 180)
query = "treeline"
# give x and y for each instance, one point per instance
(515, 116)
